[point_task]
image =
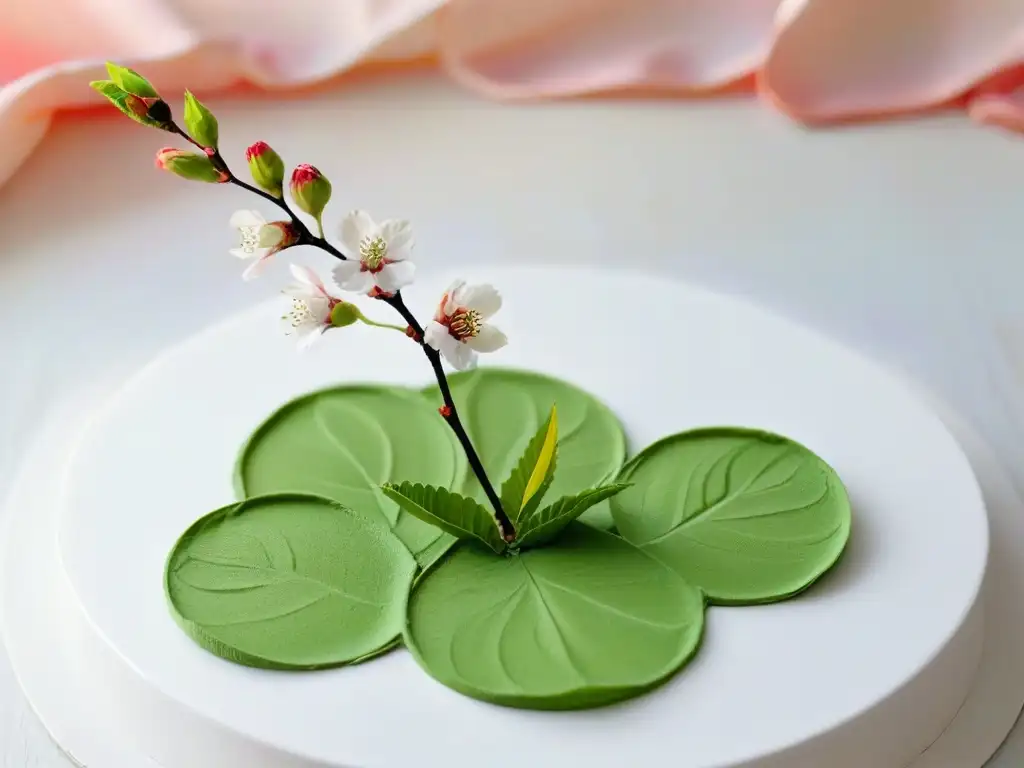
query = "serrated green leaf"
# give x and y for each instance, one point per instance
(502, 409)
(515, 490)
(130, 81)
(123, 101)
(546, 524)
(200, 122)
(460, 516)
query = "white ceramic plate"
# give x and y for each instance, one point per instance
(892, 626)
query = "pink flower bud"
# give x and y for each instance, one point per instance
(189, 165)
(266, 167)
(310, 189)
(258, 149)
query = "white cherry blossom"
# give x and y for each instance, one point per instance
(378, 255)
(460, 330)
(311, 309)
(259, 240)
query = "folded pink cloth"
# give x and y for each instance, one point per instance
(818, 61)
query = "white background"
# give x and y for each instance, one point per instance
(902, 240)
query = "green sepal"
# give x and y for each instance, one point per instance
(513, 490)
(130, 81)
(200, 122)
(543, 526)
(460, 516)
(124, 101)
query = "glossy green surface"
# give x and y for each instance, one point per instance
(747, 516)
(289, 582)
(585, 623)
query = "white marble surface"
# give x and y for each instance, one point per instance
(901, 240)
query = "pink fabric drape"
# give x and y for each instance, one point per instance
(818, 61)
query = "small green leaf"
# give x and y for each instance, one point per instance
(290, 581)
(460, 516)
(131, 81)
(590, 622)
(516, 492)
(200, 122)
(542, 526)
(502, 410)
(132, 106)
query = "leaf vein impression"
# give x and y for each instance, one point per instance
(730, 496)
(277, 576)
(554, 622)
(606, 607)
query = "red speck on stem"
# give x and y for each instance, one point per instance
(411, 333)
(377, 293)
(445, 411)
(210, 151)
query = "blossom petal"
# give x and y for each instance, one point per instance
(461, 356)
(308, 277)
(308, 338)
(489, 339)
(450, 300)
(350, 277)
(398, 235)
(434, 335)
(485, 299)
(394, 277)
(354, 228)
(255, 269)
(241, 219)
(241, 253)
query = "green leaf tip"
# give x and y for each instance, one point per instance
(545, 525)
(461, 516)
(131, 81)
(200, 122)
(524, 489)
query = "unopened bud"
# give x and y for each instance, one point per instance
(130, 81)
(344, 314)
(200, 122)
(266, 167)
(189, 165)
(310, 189)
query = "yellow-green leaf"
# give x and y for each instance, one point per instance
(545, 461)
(513, 491)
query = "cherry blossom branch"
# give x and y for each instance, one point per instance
(449, 410)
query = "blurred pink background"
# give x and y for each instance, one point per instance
(817, 61)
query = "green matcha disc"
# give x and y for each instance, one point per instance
(289, 582)
(502, 409)
(344, 442)
(588, 622)
(748, 516)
